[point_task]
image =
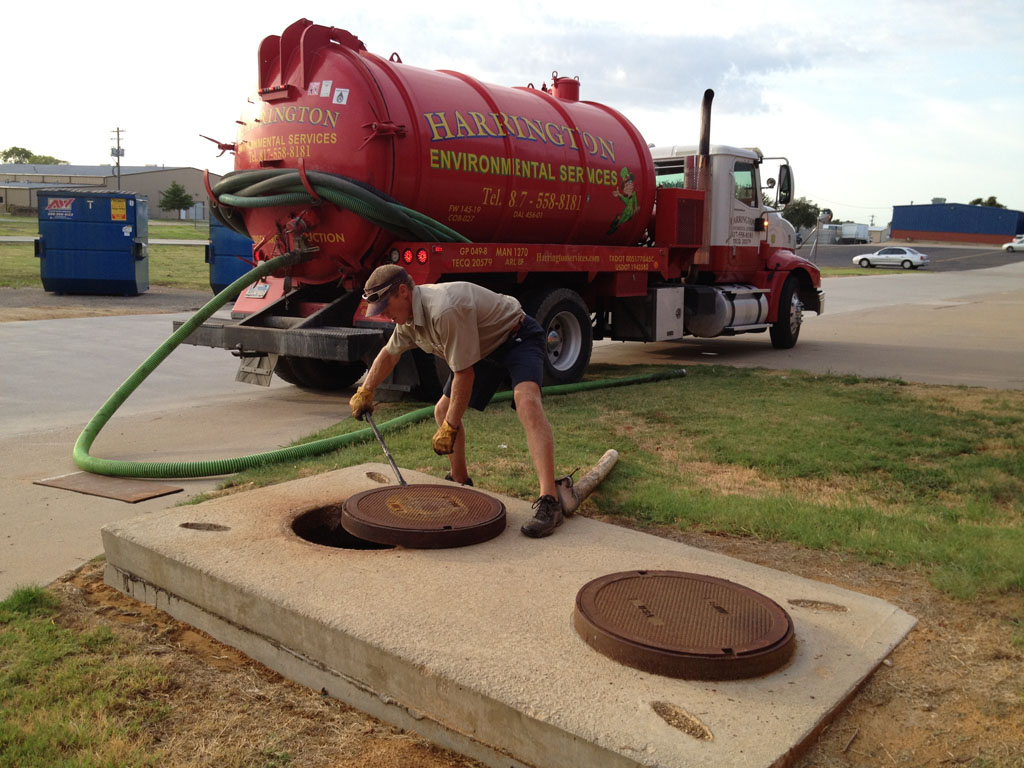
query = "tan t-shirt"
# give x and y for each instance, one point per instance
(459, 322)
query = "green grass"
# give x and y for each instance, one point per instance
(19, 226)
(930, 478)
(859, 272)
(71, 697)
(179, 266)
(178, 230)
(28, 226)
(19, 268)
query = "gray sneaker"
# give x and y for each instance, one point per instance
(547, 517)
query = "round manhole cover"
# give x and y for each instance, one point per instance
(423, 516)
(684, 625)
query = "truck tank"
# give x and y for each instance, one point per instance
(493, 163)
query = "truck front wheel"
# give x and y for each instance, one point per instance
(568, 333)
(326, 375)
(786, 329)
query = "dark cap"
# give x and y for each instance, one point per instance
(379, 285)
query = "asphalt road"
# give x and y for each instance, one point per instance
(948, 327)
(958, 328)
(944, 258)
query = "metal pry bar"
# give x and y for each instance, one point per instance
(380, 439)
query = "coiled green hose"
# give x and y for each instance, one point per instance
(280, 186)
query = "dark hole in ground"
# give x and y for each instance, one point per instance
(323, 526)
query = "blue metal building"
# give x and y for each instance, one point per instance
(956, 222)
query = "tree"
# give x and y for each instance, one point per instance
(24, 156)
(801, 213)
(176, 198)
(991, 202)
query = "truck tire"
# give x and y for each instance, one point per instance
(324, 375)
(568, 332)
(786, 329)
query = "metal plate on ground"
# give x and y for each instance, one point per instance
(684, 625)
(423, 516)
(128, 489)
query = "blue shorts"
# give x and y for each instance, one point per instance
(520, 358)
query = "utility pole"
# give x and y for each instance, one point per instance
(118, 153)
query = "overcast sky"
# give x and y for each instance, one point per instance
(876, 102)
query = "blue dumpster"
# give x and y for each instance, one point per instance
(229, 255)
(93, 242)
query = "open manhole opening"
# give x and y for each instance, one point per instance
(684, 625)
(323, 526)
(423, 516)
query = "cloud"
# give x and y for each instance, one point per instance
(643, 72)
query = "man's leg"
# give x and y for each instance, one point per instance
(539, 438)
(456, 459)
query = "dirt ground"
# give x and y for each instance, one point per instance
(952, 694)
(17, 304)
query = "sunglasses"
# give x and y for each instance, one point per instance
(374, 296)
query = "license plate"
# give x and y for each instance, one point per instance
(257, 291)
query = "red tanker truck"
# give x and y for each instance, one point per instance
(354, 160)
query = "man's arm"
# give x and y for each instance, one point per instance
(382, 367)
(462, 388)
(448, 430)
(362, 400)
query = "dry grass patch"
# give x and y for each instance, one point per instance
(734, 479)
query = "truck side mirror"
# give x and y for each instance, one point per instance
(785, 185)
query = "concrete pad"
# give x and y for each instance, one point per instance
(474, 648)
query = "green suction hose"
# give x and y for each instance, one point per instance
(181, 469)
(280, 186)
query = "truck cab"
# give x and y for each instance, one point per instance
(745, 276)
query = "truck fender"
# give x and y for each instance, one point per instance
(805, 290)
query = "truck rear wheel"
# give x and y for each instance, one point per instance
(568, 333)
(786, 329)
(326, 375)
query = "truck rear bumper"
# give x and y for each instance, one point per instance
(333, 343)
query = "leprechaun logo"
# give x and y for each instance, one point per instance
(626, 192)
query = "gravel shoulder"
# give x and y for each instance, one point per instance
(19, 304)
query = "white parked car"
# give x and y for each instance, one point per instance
(1017, 244)
(893, 255)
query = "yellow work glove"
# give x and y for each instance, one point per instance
(444, 439)
(361, 402)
